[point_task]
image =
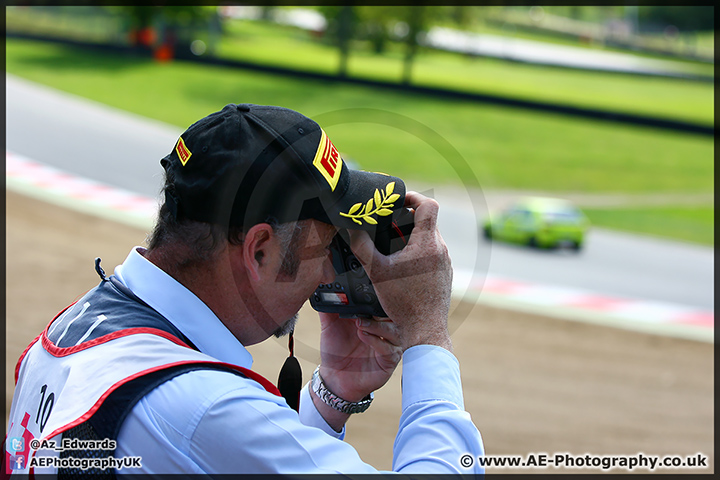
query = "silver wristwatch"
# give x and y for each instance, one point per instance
(333, 400)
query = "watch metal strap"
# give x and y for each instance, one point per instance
(333, 400)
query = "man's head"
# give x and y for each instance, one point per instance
(247, 163)
(263, 189)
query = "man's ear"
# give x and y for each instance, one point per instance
(256, 249)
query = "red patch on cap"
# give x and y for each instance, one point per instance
(328, 161)
(182, 151)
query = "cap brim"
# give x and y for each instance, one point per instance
(369, 201)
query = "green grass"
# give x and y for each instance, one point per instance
(408, 135)
(693, 224)
(702, 39)
(272, 45)
(508, 148)
(79, 23)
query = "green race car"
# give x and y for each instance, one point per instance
(539, 222)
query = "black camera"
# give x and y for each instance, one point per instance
(352, 294)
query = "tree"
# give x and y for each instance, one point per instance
(683, 17)
(342, 21)
(416, 24)
(375, 23)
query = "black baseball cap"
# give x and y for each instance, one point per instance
(249, 163)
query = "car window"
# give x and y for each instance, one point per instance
(519, 213)
(566, 215)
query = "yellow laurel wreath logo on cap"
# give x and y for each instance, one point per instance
(382, 202)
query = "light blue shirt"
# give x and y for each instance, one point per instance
(216, 422)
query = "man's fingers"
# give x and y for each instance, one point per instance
(384, 329)
(426, 213)
(328, 317)
(413, 199)
(387, 354)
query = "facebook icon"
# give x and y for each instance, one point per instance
(17, 462)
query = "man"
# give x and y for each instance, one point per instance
(150, 370)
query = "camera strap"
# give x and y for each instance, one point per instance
(290, 378)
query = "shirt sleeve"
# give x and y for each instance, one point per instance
(310, 416)
(215, 422)
(435, 431)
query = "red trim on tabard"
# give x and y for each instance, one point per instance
(65, 351)
(22, 355)
(248, 373)
(62, 352)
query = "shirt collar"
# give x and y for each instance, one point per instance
(182, 308)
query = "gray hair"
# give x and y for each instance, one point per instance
(200, 241)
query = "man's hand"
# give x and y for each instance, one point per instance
(413, 284)
(357, 356)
